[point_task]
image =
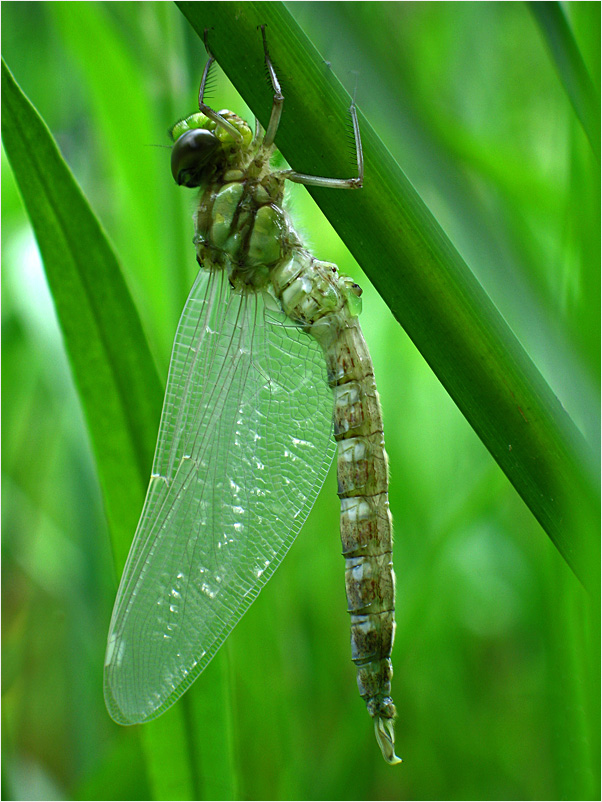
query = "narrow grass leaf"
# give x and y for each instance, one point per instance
(571, 68)
(127, 129)
(112, 367)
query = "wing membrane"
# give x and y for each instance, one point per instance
(243, 449)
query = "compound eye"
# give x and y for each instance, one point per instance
(190, 156)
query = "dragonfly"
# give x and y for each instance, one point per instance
(268, 337)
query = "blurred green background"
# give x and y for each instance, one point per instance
(495, 674)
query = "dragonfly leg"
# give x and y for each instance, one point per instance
(335, 183)
(258, 135)
(278, 101)
(270, 135)
(203, 107)
(208, 65)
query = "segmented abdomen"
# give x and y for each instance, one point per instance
(313, 294)
(366, 525)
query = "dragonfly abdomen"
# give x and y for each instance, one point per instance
(366, 525)
(314, 295)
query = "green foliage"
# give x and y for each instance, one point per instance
(117, 383)
(571, 69)
(496, 673)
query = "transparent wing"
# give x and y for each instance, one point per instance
(243, 449)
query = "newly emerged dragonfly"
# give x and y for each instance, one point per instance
(267, 335)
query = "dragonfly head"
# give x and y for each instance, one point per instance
(200, 144)
(191, 155)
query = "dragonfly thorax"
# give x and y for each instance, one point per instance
(241, 227)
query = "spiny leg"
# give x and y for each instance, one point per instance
(203, 107)
(335, 183)
(303, 178)
(278, 100)
(210, 62)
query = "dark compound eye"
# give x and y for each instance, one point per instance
(190, 156)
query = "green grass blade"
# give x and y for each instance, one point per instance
(113, 369)
(571, 68)
(166, 743)
(195, 739)
(133, 162)
(418, 272)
